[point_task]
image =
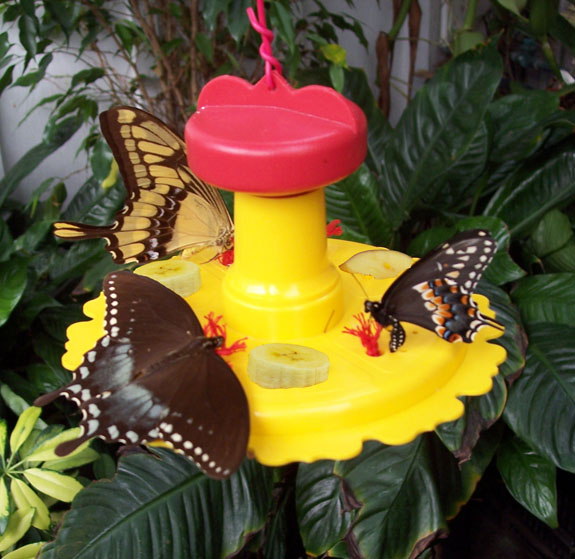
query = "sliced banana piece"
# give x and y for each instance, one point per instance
(280, 365)
(181, 276)
(379, 263)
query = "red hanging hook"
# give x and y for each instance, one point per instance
(259, 24)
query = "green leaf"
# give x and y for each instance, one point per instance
(87, 76)
(282, 21)
(562, 260)
(27, 27)
(12, 285)
(356, 87)
(546, 298)
(46, 450)
(6, 78)
(3, 438)
(336, 77)
(33, 157)
(56, 485)
(5, 508)
(323, 511)
(204, 45)
(355, 201)
(551, 233)
(541, 404)
(536, 187)
(23, 427)
(518, 121)
(530, 478)
(513, 339)
(26, 499)
(514, 6)
(437, 129)
(148, 501)
(398, 496)
(29, 551)
(238, 23)
(481, 412)
(63, 13)
(20, 522)
(31, 79)
(85, 456)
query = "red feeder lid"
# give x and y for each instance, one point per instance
(249, 138)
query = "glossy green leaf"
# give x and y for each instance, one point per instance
(6, 78)
(518, 121)
(399, 508)
(536, 187)
(551, 233)
(481, 412)
(29, 551)
(56, 485)
(541, 404)
(562, 260)
(13, 279)
(26, 499)
(546, 298)
(323, 508)
(46, 450)
(27, 27)
(355, 202)
(162, 506)
(436, 130)
(87, 76)
(514, 6)
(530, 478)
(238, 23)
(5, 508)
(19, 524)
(356, 87)
(23, 427)
(514, 339)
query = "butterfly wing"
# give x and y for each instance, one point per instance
(435, 293)
(167, 208)
(155, 376)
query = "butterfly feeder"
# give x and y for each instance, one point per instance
(277, 148)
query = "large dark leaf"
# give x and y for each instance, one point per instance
(518, 121)
(354, 201)
(12, 285)
(395, 488)
(546, 298)
(481, 412)
(539, 185)
(437, 129)
(163, 507)
(356, 88)
(541, 404)
(530, 478)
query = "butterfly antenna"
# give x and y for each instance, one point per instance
(360, 285)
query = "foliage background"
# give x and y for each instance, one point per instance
(478, 146)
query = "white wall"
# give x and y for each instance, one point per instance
(16, 139)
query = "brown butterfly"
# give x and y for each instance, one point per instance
(154, 375)
(168, 208)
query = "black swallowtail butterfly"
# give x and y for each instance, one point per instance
(435, 292)
(155, 376)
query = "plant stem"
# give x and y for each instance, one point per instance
(470, 15)
(402, 14)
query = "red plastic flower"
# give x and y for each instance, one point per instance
(368, 333)
(214, 328)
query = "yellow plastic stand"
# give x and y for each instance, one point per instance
(391, 398)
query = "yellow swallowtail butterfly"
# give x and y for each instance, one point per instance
(167, 208)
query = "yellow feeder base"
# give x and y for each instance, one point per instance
(391, 398)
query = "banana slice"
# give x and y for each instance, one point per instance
(181, 276)
(287, 366)
(379, 263)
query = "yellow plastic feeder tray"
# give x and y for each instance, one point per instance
(277, 148)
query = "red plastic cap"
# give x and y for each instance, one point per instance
(249, 138)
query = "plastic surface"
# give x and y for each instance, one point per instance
(391, 398)
(282, 285)
(249, 138)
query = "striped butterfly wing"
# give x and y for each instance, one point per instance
(155, 376)
(436, 292)
(167, 208)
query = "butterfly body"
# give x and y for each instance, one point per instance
(436, 292)
(167, 208)
(154, 375)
